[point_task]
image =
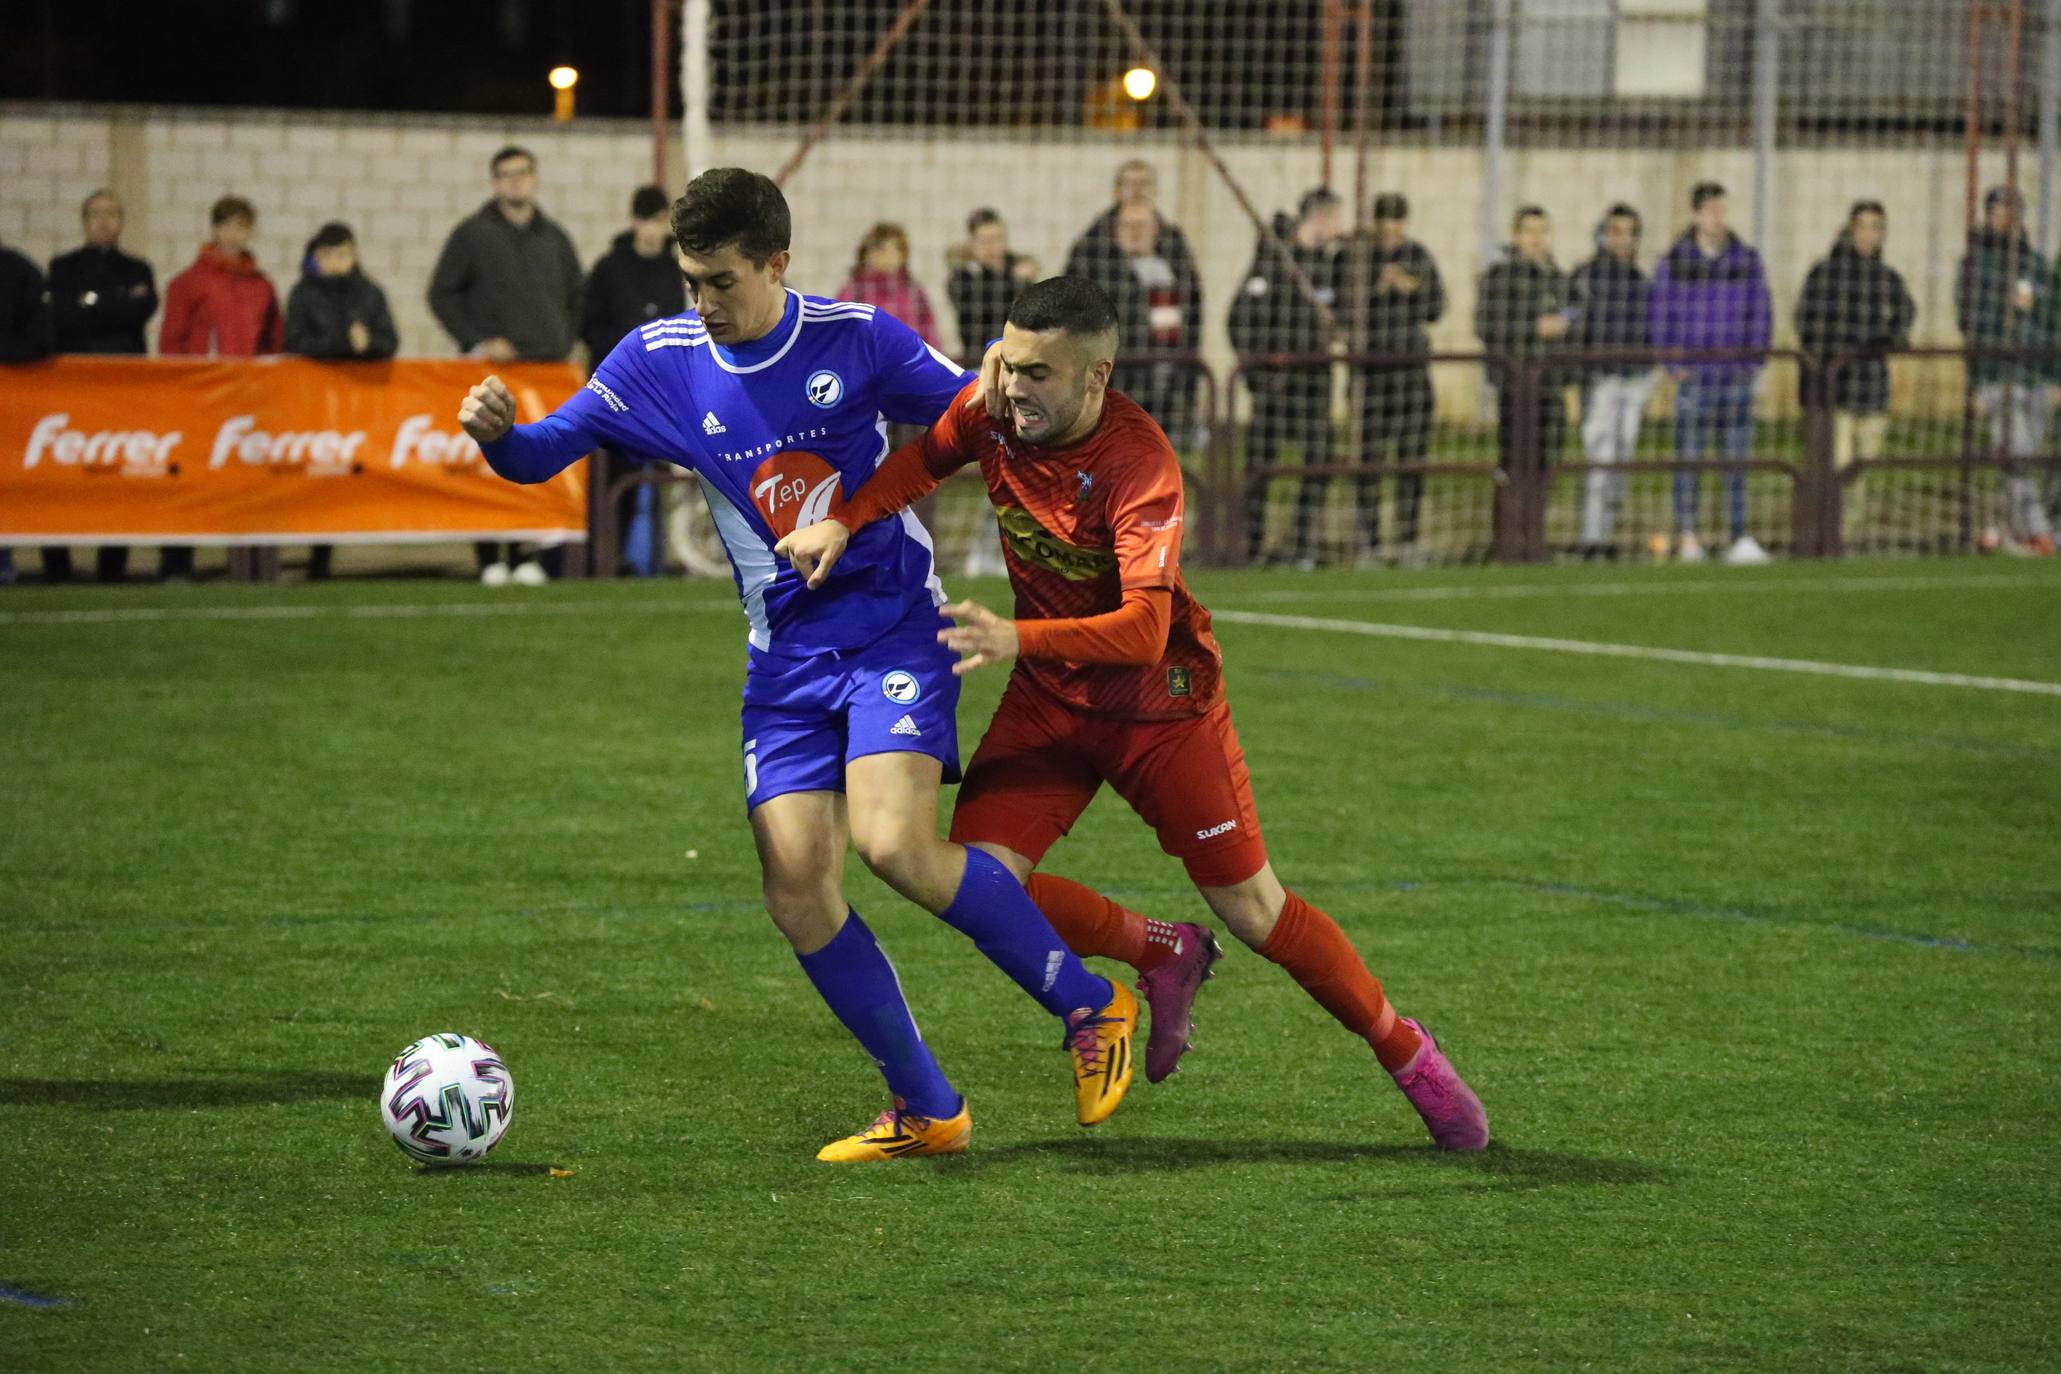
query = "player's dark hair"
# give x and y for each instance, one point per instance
(233, 207)
(649, 203)
(1073, 304)
(1866, 207)
(1704, 191)
(334, 234)
(1525, 212)
(1391, 205)
(732, 205)
(512, 151)
(1323, 198)
(982, 218)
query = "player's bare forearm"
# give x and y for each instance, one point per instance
(814, 549)
(978, 636)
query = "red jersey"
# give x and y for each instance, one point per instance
(1081, 525)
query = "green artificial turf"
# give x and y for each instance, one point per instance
(1759, 975)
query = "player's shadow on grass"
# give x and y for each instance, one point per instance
(182, 1094)
(501, 1168)
(1499, 1166)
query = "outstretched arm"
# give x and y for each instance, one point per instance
(520, 453)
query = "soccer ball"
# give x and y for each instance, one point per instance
(447, 1099)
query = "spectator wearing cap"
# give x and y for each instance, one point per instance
(1709, 292)
(508, 287)
(1396, 404)
(985, 284)
(1612, 295)
(338, 314)
(1854, 306)
(1274, 313)
(2005, 299)
(223, 306)
(100, 299)
(635, 282)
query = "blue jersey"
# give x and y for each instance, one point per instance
(776, 430)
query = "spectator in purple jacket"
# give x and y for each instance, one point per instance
(1709, 292)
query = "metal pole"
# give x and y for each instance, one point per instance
(1495, 127)
(661, 89)
(1329, 63)
(1766, 68)
(697, 144)
(2050, 122)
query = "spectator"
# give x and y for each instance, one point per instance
(338, 314)
(24, 338)
(1523, 312)
(1853, 303)
(100, 299)
(1291, 404)
(1709, 293)
(637, 281)
(1612, 296)
(880, 277)
(984, 286)
(1143, 262)
(221, 306)
(1396, 404)
(2005, 299)
(507, 288)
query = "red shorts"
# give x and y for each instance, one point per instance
(1041, 763)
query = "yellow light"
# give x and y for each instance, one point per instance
(564, 78)
(1140, 83)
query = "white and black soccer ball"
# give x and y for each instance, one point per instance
(447, 1099)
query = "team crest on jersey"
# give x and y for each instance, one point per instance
(1084, 483)
(1179, 684)
(792, 489)
(901, 688)
(824, 388)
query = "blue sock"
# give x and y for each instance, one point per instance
(992, 908)
(859, 984)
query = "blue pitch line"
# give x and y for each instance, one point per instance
(1665, 715)
(24, 1298)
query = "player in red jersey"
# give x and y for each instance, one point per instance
(1118, 679)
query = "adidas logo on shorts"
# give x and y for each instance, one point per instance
(905, 726)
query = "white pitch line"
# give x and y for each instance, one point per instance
(374, 610)
(1900, 583)
(1592, 647)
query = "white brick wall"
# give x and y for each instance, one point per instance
(403, 181)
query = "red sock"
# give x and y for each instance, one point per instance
(1091, 924)
(1317, 955)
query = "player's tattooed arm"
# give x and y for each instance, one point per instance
(979, 637)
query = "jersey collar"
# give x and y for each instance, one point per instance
(763, 352)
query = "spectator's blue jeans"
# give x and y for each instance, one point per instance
(1712, 415)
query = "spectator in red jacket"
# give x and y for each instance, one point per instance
(223, 305)
(880, 276)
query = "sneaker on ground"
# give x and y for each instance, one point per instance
(1689, 549)
(1449, 1107)
(530, 574)
(896, 1133)
(1098, 1039)
(1746, 552)
(494, 575)
(1169, 991)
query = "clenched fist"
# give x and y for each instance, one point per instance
(488, 411)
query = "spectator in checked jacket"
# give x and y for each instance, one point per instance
(100, 299)
(221, 306)
(1709, 292)
(1611, 294)
(508, 287)
(1853, 304)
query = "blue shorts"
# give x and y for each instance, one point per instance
(806, 717)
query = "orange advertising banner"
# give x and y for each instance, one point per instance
(268, 450)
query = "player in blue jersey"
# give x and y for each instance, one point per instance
(779, 403)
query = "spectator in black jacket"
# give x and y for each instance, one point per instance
(338, 314)
(1522, 312)
(1291, 403)
(636, 281)
(24, 337)
(1854, 302)
(1396, 404)
(1610, 294)
(508, 287)
(100, 299)
(1142, 260)
(985, 285)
